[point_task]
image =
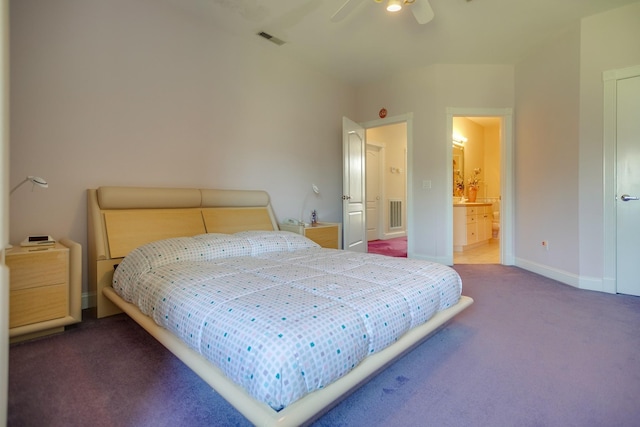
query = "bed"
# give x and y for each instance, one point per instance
(160, 247)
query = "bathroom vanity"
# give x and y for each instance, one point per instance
(471, 225)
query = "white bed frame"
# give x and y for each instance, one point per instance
(123, 218)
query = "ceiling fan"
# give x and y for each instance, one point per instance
(421, 9)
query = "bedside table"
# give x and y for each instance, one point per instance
(326, 234)
(44, 288)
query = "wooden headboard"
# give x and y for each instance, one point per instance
(122, 218)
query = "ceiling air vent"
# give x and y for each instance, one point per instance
(271, 38)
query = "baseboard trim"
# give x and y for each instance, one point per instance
(393, 235)
(88, 300)
(549, 272)
(597, 284)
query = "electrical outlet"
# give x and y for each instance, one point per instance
(545, 245)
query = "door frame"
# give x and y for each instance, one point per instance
(4, 209)
(506, 178)
(408, 119)
(610, 79)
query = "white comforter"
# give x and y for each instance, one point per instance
(276, 313)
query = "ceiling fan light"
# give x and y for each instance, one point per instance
(394, 5)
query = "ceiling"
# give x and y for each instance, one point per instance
(370, 43)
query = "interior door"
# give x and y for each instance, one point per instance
(628, 185)
(353, 187)
(373, 190)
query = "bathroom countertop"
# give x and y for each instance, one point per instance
(462, 205)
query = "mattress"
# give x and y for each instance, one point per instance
(279, 315)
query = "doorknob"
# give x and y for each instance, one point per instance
(626, 197)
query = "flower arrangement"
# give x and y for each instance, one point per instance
(473, 184)
(475, 181)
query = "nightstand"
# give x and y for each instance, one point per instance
(326, 234)
(44, 288)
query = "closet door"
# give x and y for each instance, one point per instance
(628, 184)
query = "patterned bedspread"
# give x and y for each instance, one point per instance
(276, 313)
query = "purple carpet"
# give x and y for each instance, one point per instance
(391, 247)
(529, 352)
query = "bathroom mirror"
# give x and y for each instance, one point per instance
(458, 170)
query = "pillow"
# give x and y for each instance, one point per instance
(276, 241)
(203, 247)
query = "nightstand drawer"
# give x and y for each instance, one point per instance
(326, 236)
(38, 304)
(34, 269)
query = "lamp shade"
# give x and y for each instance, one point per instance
(35, 180)
(316, 191)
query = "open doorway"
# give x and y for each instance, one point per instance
(481, 185)
(476, 190)
(386, 189)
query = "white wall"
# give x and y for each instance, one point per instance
(546, 156)
(427, 92)
(136, 92)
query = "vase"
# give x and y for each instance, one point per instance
(473, 193)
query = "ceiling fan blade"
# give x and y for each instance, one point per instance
(345, 10)
(422, 11)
